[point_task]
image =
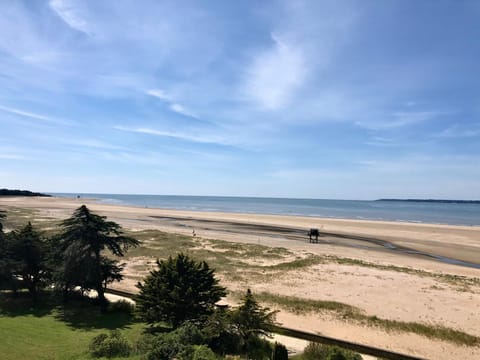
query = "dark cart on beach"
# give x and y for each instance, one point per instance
(313, 234)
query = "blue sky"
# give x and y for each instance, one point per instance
(323, 99)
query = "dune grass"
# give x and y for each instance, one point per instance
(50, 331)
(348, 312)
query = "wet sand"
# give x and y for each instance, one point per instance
(378, 291)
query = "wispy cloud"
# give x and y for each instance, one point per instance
(460, 131)
(159, 93)
(25, 113)
(35, 116)
(69, 13)
(12, 157)
(398, 119)
(173, 105)
(275, 74)
(206, 139)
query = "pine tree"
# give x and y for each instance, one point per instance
(27, 254)
(180, 289)
(253, 321)
(85, 236)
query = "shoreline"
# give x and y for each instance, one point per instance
(101, 201)
(311, 208)
(439, 242)
(271, 254)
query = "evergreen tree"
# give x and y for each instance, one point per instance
(28, 254)
(180, 289)
(5, 275)
(85, 236)
(3, 215)
(252, 321)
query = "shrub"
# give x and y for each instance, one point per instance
(279, 352)
(203, 352)
(258, 348)
(180, 290)
(176, 344)
(316, 351)
(111, 345)
(122, 306)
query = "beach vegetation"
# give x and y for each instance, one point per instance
(26, 255)
(316, 351)
(84, 238)
(279, 352)
(347, 312)
(180, 289)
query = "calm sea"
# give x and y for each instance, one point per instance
(456, 214)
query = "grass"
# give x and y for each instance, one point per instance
(445, 278)
(50, 331)
(348, 312)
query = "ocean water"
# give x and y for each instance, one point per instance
(441, 213)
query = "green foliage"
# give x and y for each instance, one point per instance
(316, 351)
(3, 216)
(203, 352)
(122, 306)
(279, 352)
(85, 236)
(27, 258)
(111, 345)
(175, 344)
(251, 319)
(181, 289)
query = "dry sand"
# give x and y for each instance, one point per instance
(376, 291)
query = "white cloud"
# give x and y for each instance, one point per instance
(207, 138)
(159, 93)
(460, 131)
(181, 110)
(11, 157)
(398, 119)
(69, 13)
(275, 75)
(25, 113)
(174, 106)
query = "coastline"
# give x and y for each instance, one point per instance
(379, 282)
(463, 214)
(461, 241)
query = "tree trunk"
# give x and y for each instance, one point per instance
(99, 285)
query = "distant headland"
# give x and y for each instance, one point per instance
(435, 201)
(8, 192)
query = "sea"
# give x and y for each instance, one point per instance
(418, 212)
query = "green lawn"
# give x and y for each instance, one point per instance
(51, 331)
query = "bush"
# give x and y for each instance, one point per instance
(180, 290)
(176, 344)
(316, 351)
(203, 352)
(111, 345)
(279, 352)
(258, 348)
(122, 306)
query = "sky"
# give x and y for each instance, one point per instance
(308, 99)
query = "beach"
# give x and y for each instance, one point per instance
(400, 272)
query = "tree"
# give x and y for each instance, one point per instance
(252, 321)
(27, 255)
(180, 289)
(3, 215)
(84, 238)
(5, 273)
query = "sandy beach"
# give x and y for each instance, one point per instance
(395, 271)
